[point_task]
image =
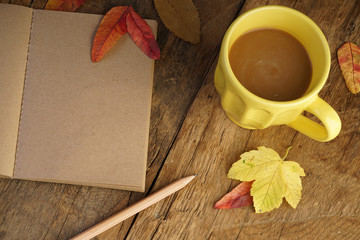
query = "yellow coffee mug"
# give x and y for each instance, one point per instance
(250, 111)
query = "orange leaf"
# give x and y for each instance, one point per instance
(111, 28)
(64, 5)
(238, 197)
(141, 34)
(349, 61)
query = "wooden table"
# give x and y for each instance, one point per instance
(190, 134)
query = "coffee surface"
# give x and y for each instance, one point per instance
(272, 64)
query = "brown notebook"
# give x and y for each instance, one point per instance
(64, 118)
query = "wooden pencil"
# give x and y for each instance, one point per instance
(133, 209)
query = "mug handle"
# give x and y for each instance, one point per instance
(327, 115)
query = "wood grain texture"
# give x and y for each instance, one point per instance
(208, 144)
(190, 133)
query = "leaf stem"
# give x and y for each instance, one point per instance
(287, 152)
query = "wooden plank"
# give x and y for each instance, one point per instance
(336, 228)
(208, 143)
(21, 2)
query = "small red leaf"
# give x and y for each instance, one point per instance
(64, 5)
(111, 28)
(238, 197)
(141, 34)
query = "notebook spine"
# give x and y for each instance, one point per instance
(24, 87)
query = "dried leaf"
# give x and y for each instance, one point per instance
(274, 178)
(180, 17)
(238, 197)
(111, 28)
(141, 34)
(64, 5)
(349, 61)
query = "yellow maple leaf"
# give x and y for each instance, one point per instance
(274, 178)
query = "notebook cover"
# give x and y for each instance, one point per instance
(82, 122)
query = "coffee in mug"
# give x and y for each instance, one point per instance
(271, 63)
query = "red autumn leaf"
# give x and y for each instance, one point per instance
(349, 61)
(116, 23)
(141, 34)
(111, 28)
(238, 197)
(64, 5)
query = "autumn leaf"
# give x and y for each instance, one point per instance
(349, 61)
(116, 23)
(274, 178)
(180, 17)
(238, 197)
(64, 5)
(141, 34)
(111, 28)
